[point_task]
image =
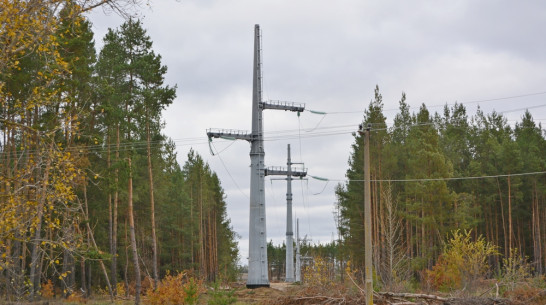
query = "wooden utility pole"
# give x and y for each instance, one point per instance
(367, 216)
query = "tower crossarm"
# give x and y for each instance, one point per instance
(230, 134)
(280, 171)
(283, 105)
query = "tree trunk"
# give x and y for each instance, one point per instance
(34, 259)
(510, 230)
(506, 246)
(92, 244)
(68, 268)
(201, 233)
(114, 248)
(83, 278)
(89, 283)
(126, 273)
(86, 209)
(423, 231)
(543, 236)
(210, 250)
(132, 233)
(110, 206)
(191, 228)
(152, 204)
(536, 229)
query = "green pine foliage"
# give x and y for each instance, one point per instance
(505, 210)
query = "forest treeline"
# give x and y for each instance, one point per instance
(91, 193)
(435, 173)
(455, 198)
(448, 191)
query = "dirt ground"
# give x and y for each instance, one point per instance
(262, 295)
(290, 294)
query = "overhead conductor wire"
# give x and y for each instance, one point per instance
(434, 179)
(301, 181)
(225, 167)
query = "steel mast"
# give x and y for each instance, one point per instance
(289, 173)
(257, 260)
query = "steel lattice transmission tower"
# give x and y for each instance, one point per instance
(257, 259)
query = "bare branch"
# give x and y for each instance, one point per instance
(413, 295)
(121, 7)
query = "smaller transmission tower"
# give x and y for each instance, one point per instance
(289, 173)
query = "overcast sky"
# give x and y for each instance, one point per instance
(330, 55)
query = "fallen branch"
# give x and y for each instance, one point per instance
(352, 280)
(396, 301)
(413, 295)
(328, 299)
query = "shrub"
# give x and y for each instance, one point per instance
(515, 269)
(443, 276)
(462, 262)
(192, 289)
(219, 296)
(75, 298)
(120, 289)
(176, 289)
(319, 273)
(48, 290)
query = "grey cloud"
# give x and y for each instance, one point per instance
(330, 55)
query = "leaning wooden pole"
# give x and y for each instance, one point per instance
(367, 218)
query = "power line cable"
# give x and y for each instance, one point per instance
(232, 179)
(441, 105)
(325, 184)
(270, 136)
(432, 179)
(520, 109)
(301, 181)
(496, 99)
(278, 135)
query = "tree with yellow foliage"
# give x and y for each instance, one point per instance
(39, 169)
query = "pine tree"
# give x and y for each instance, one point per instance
(128, 61)
(212, 241)
(155, 98)
(530, 141)
(428, 202)
(110, 91)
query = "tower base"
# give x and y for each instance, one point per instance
(254, 286)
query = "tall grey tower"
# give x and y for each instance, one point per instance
(257, 258)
